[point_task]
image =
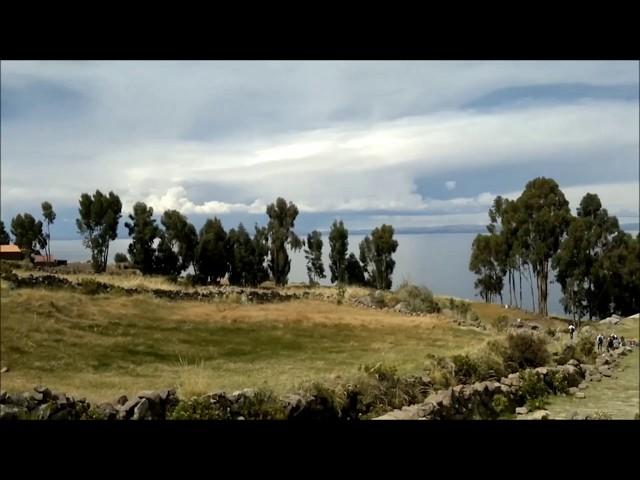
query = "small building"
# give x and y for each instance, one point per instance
(46, 261)
(10, 252)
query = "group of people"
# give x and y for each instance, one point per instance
(613, 342)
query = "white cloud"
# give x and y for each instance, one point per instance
(451, 184)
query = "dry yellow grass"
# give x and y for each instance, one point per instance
(105, 345)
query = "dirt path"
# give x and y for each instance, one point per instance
(619, 396)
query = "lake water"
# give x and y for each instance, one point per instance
(439, 261)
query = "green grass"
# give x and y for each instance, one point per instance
(106, 345)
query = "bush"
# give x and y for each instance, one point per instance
(200, 408)
(501, 324)
(465, 369)
(377, 299)
(583, 350)
(417, 299)
(440, 370)
(551, 332)
(261, 405)
(121, 258)
(525, 350)
(340, 294)
(556, 382)
(89, 286)
(533, 389)
(501, 405)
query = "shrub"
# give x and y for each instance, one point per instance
(261, 405)
(551, 332)
(418, 299)
(377, 299)
(556, 382)
(89, 286)
(325, 403)
(440, 370)
(501, 324)
(600, 415)
(501, 405)
(340, 294)
(533, 389)
(465, 368)
(525, 350)
(120, 258)
(583, 350)
(200, 408)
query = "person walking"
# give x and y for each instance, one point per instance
(600, 342)
(572, 329)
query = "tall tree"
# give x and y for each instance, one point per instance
(577, 262)
(5, 239)
(484, 264)
(143, 232)
(27, 232)
(247, 256)
(354, 271)
(180, 237)
(338, 248)
(211, 253)
(282, 218)
(98, 225)
(313, 255)
(49, 217)
(376, 255)
(541, 229)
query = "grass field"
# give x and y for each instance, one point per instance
(106, 345)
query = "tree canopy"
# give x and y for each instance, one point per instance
(27, 232)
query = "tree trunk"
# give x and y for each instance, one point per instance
(520, 275)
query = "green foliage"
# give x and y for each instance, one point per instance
(89, 286)
(441, 371)
(551, 332)
(525, 350)
(501, 324)
(338, 247)
(5, 239)
(556, 382)
(199, 408)
(247, 256)
(211, 252)
(354, 272)
(340, 294)
(282, 218)
(485, 264)
(143, 232)
(417, 298)
(98, 225)
(121, 258)
(313, 255)
(501, 405)
(49, 216)
(465, 369)
(27, 232)
(533, 389)
(180, 237)
(376, 256)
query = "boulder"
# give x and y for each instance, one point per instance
(583, 386)
(121, 400)
(573, 363)
(141, 411)
(44, 412)
(542, 370)
(4, 370)
(401, 307)
(107, 411)
(605, 371)
(573, 391)
(152, 396)
(522, 411)
(11, 412)
(540, 415)
(580, 395)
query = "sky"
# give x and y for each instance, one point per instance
(411, 143)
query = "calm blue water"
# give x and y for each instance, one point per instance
(439, 261)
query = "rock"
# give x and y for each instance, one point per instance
(3, 396)
(540, 415)
(542, 370)
(573, 363)
(596, 378)
(45, 411)
(150, 395)
(107, 411)
(36, 397)
(141, 410)
(573, 391)
(583, 386)
(535, 326)
(4, 370)
(605, 371)
(522, 411)
(401, 307)
(122, 399)
(580, 395)
(127, 410)
(11, 412)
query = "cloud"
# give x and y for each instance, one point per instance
(220, 138)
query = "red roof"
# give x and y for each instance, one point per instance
(43, 259)
(9, 249)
